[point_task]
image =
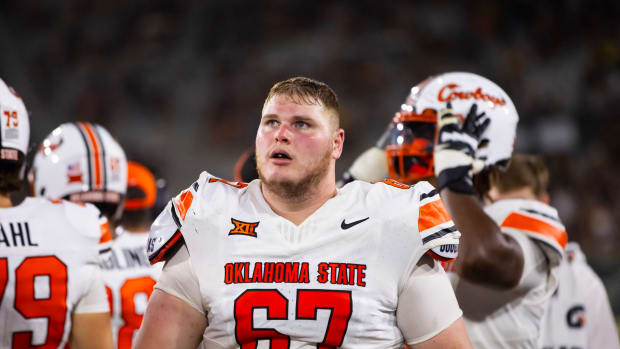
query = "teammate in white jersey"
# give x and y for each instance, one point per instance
(128, 275)
(82, 162)
(51, 289)
(509, 254)
(578, 315)
(289, 261)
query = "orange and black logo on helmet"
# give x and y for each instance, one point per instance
(243, 228)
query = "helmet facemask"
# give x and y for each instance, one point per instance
(409, 152)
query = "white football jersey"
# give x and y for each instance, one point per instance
(332, 281)
(578, 315)
(49, 253)
(129, 279)
(512, 318)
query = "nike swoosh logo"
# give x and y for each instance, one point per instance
(344, 225)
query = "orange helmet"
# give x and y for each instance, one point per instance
(409, 152)
(141, 188)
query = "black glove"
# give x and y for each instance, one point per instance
(455, 150)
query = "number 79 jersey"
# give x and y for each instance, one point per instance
(48, 270)
(332, 281)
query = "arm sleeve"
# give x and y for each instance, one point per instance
(427, 295)
(95, 299)
(177, 278)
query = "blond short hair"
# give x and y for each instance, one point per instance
(524, 171)
(304, 90)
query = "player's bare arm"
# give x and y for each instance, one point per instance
(453, 337)
(88, 326)
(486, 255)
(170, 322)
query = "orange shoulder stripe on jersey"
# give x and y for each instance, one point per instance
(432, 214)
(393, 183)
(523, 222)
(106, 235)
(183, 202)
(166, 247)
(237, 185)
(96, 156)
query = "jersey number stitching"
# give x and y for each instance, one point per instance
(308, 302)
(133, 320)
(54, 307)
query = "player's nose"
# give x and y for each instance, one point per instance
(283, 134)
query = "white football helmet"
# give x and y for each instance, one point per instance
(412, 134)
(14, 125)
(81, 161)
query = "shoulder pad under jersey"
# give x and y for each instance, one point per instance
(439, 235)
(166, 229)
(87, 219)
(535, 219)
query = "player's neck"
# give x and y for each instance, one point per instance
(298, 209)
(5, 201)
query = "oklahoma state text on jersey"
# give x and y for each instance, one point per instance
(332, 281)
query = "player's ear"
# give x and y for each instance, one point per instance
(337, 143)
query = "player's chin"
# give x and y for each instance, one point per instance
(278, 174)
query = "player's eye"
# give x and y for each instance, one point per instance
(301, 124)
(271, 122)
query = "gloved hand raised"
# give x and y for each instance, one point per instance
(455, 149)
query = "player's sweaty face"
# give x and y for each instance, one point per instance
(293, 142)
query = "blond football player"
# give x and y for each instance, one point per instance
(51, 289)
(290, 261)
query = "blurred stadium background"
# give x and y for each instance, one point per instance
(181, 83)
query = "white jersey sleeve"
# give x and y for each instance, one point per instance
(95, 299)
(415, 302)
(440, 237)
(178, 279)
(165, 231)
(535, 269)
(540, 224)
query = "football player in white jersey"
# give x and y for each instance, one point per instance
(51, 289)
(128, 275)
(510, 251)
(578, 315)
(290, 261)
(82, 162)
